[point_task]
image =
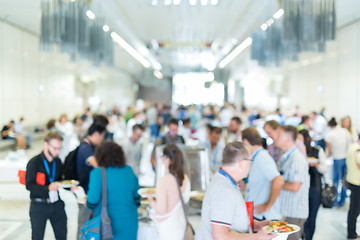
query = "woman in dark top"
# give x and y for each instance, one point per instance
(122, 191)
(316, 160)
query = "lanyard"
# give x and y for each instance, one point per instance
(51, 178)
(256, 153)
(275, 149)
(282, 163)
(222, 172)
(292, 151)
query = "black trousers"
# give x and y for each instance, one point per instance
(314, 204)
(354, 210)
(41, 212)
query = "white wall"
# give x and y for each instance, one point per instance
(338, 71)
(23, 68)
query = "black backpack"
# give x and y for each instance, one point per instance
(69, 167)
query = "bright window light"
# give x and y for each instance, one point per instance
(214, 2)
(190, 88)
(204, 2)
(154, 2)
(90, 14)
(279, 13)
(192, 2)
(176, 2)
(167, 2)
(106, 28)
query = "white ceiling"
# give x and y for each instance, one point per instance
(186, 29)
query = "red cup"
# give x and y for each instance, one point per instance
(21, 175)
(250, 210)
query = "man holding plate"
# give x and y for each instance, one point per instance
(41, 173)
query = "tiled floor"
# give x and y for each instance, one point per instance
(15, 224)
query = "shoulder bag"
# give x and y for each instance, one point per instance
(189, 231)
(99, 228)
(328, 194)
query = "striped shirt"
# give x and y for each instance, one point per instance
(223, 205)
(293, 168)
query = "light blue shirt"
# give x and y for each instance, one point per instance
(263, 170)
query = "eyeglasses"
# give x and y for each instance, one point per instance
(55, 148)
(247, 159)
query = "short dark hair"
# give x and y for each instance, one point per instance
(53, 135)
(50, 124)
(99, 118)
(237, 120)
(110, 154)
(215, 129)
(332, 122)
(186, 121)
(273, 124)
(252, 136)
(137, 126)
(233, 151)
(290, 129)
(96, 127)
(173, 121)
(304, 118)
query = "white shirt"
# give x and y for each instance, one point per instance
(340, 140)
(319, 127)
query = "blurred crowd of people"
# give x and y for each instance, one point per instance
(277, 162)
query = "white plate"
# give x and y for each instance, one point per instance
(312, 160)
(296, 227)
(144, 192)
(67, 183)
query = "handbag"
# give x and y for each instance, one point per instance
(99, 227)
(328, 194)
(189, 230)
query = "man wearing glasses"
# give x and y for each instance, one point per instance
(41, 173)
(224, 214)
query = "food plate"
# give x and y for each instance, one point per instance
(282, 228)
(67, 183)
(145, 192)
(197, 195)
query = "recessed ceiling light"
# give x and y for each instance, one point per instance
(167, 2)
(90, 14)
(214, 2)
(279, 13)
(154, 2)
(192, 2)
(176, 2)
(106, 28)
(264, 27)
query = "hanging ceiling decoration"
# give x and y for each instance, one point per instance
(75, 29)
(305, 26)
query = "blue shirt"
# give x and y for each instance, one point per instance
(263, 170)
(122, 199)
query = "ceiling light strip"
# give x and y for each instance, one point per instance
(135, 54)
(246, 43)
